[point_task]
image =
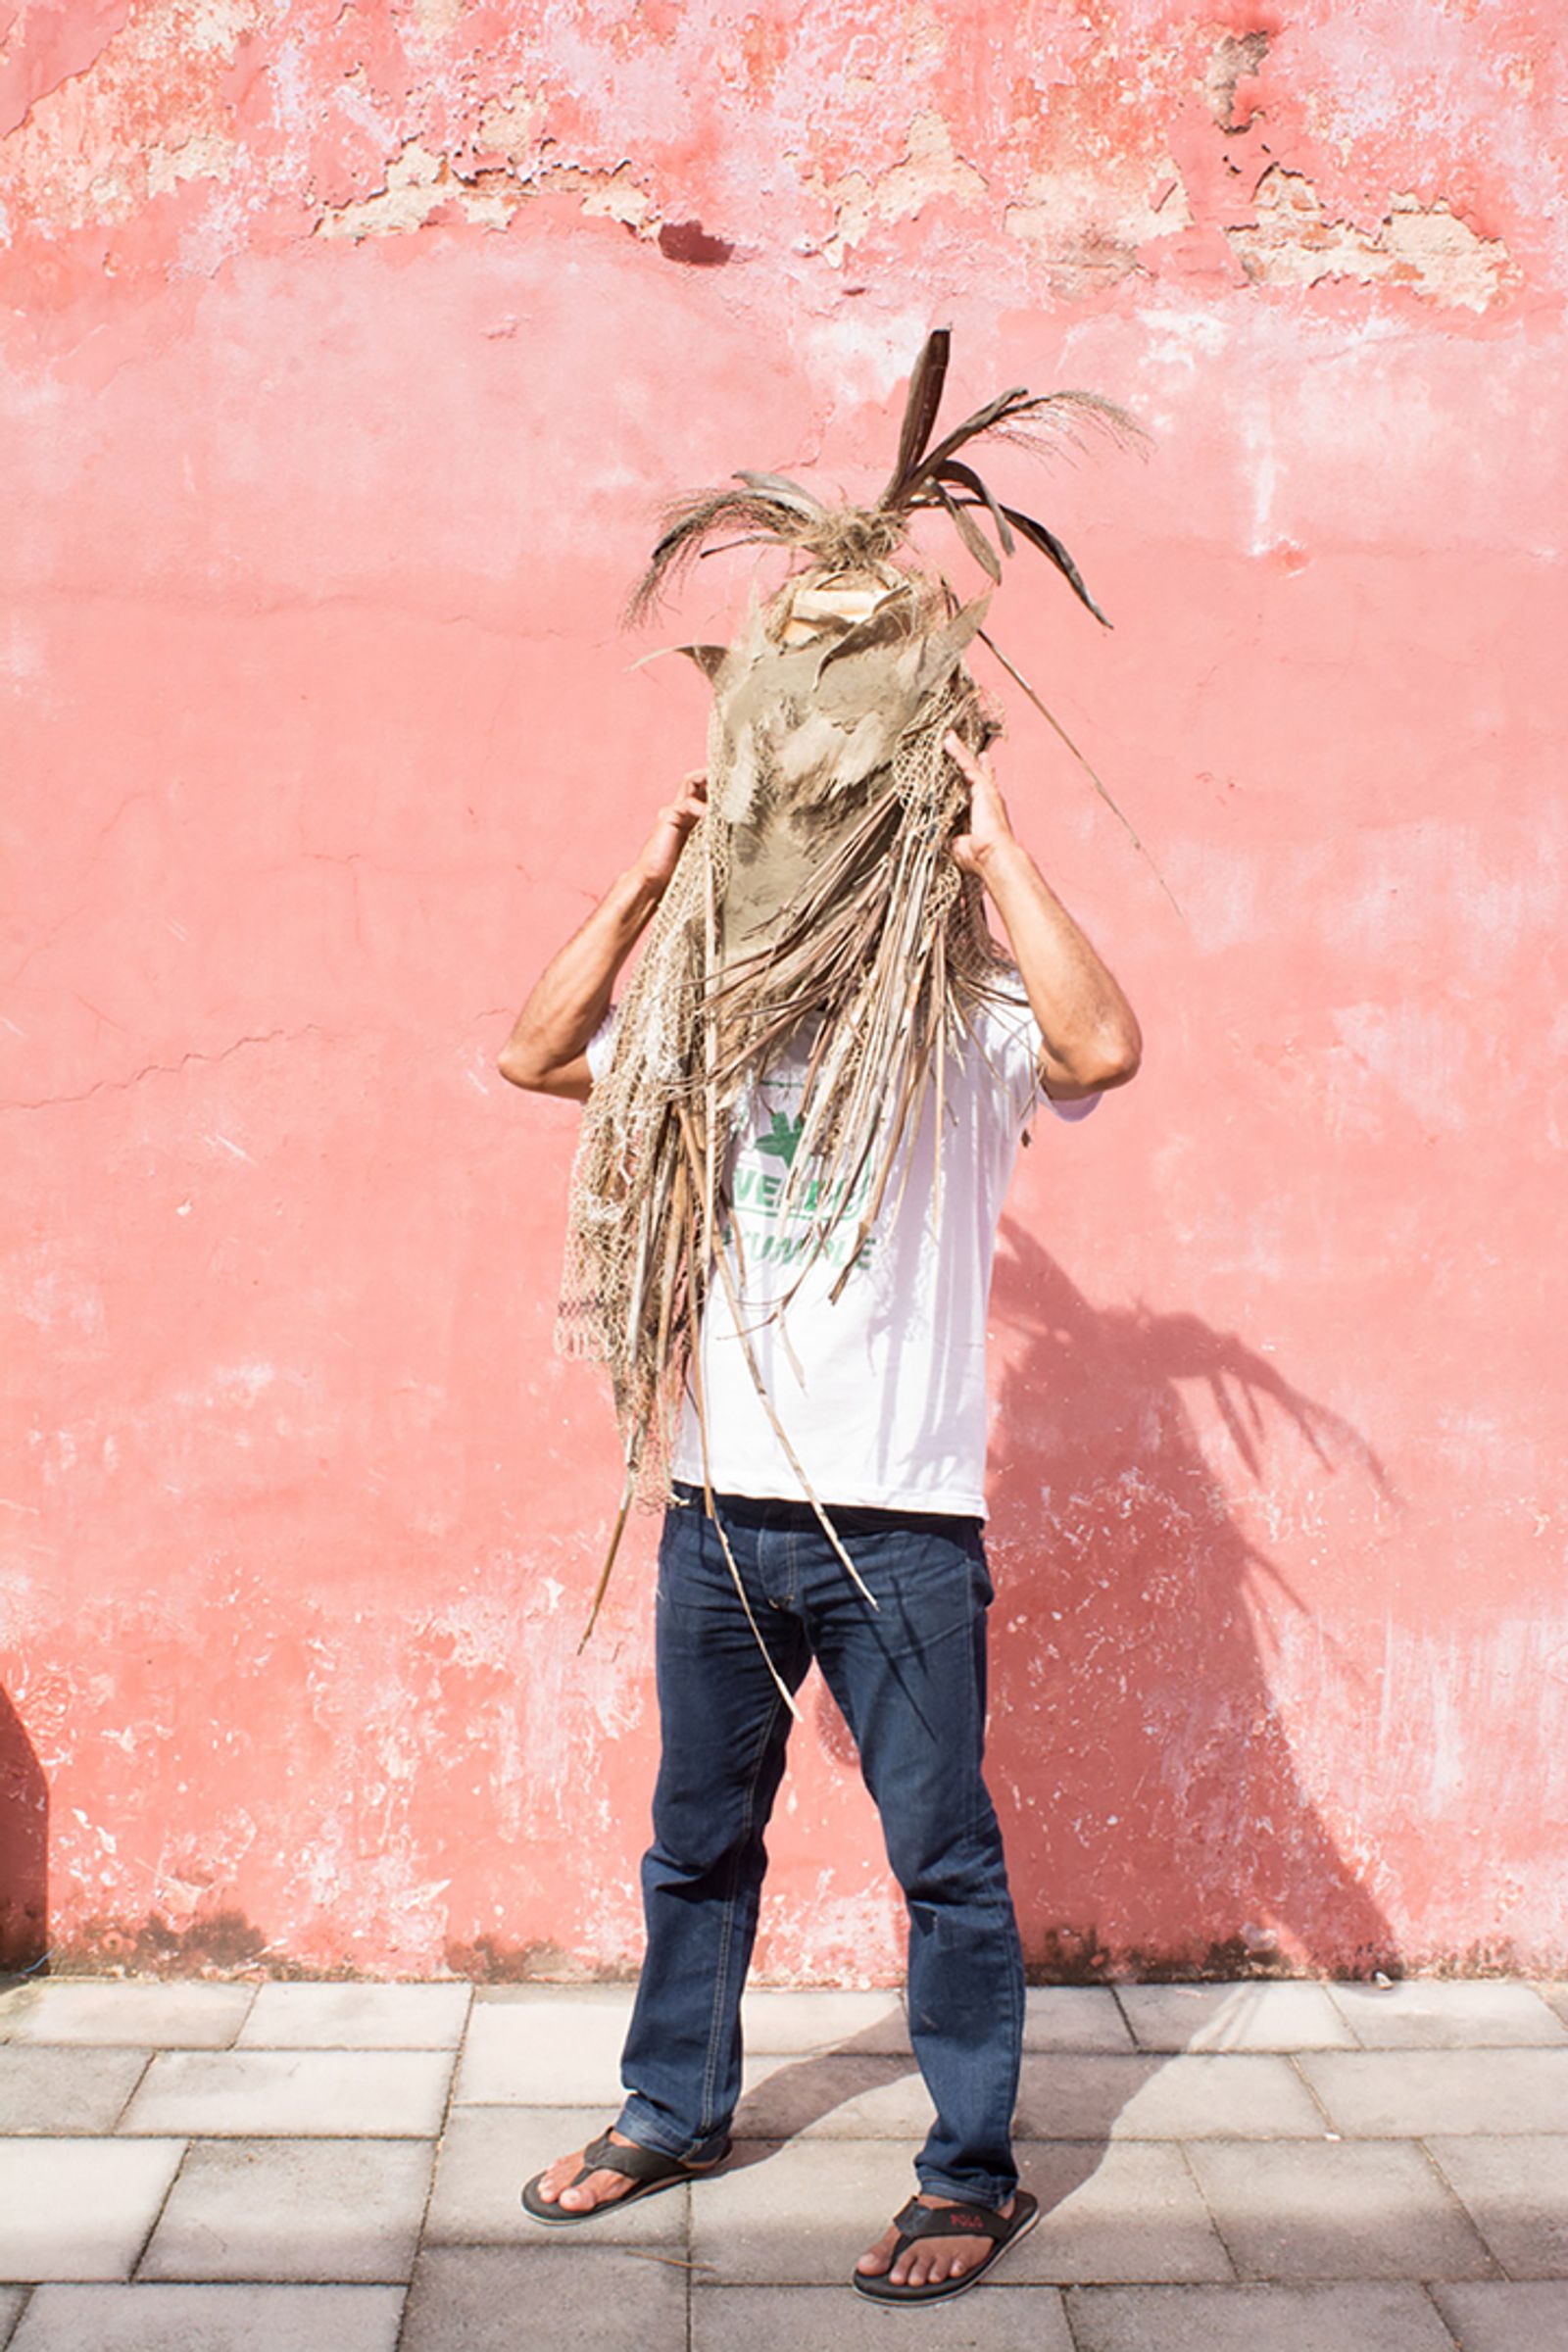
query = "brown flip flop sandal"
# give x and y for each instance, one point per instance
(649, 2168)
(949, 2221)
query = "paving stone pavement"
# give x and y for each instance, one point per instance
(1284, 2167)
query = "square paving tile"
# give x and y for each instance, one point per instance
(561, 2053)
(1233, 2017)
(1256, 2318)
(1074, 2017)
(1430, 2013)
(1347, 2210)
(1506, 2317)
(1392, 2093)
(833, 2098)
(211, 2319)
(486, 2155)
(65, 2091)
(81, 2208)
(1554, 1992)
(1092, 2097)
(869, 2022)
(1516, 2190)
(12, 2299)
(355, 2017)
(798, 2215)
(499, 2298)
(833, 2319)
(1130, 2211)
(253, 2094)
(285, 2209)
(192, 2017)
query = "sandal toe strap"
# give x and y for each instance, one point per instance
(949, 2221)
(606, 2155)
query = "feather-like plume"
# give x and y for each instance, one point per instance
(770, 508)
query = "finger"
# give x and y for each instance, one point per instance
(959, 754)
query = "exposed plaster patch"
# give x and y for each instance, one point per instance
(925, 37)
(1088, 231)
(88, 154)
(509, 126)
(1237, 58)
(212, 27)
(1426, 247)
(421, 183)
(929, 169)
(204, 156)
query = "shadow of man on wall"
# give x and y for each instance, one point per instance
(24, 1848)
(1155, 1821)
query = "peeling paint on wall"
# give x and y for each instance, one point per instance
(1290, 243)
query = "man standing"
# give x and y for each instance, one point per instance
(885, 1383)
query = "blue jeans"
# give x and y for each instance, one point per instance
(909, 1678)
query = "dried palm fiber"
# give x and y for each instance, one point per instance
(814, 903)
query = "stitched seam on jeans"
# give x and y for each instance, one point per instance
(727, 1933)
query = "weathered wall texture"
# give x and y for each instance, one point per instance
(345, 353)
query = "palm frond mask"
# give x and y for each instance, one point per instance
(815, 904)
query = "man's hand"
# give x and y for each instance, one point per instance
(990, 827)
(546, 1051)
(657, 857)
(1088, 1033)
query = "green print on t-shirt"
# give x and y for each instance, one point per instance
(768, 1236)
(782, 1137)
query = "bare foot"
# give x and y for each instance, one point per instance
(600, 2188)
(930, 2259)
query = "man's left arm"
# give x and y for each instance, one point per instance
(1090, 1032)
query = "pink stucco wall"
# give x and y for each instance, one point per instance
(344, 355)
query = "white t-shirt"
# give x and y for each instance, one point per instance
(882, 1393)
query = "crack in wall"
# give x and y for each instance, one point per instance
(1291, 241)
(167, 1069)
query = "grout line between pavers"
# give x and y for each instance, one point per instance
(1293, 2059)
(243, 2019)
(1127, 2026)
(1213, 2217)
(1064, 2298)
(1474, 2219)
(162, 2202)
(123, 2109)
(1424, 2287)
(435, 2145)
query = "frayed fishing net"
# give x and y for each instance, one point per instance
(814, 905)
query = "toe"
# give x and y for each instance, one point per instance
(874, 2261)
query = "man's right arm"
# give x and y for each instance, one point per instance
(547, 1052)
